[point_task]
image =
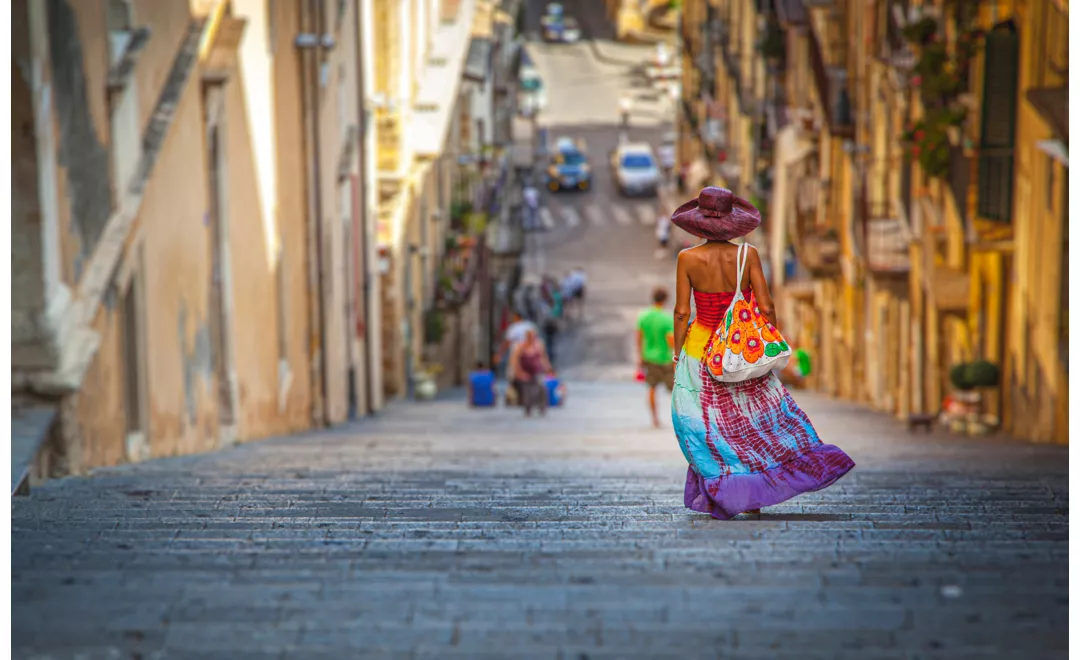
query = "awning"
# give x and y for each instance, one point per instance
(1053, 104)
(1056, 149)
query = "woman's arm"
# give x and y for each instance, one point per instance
(682, 302)
(761, 289)
(512, 363)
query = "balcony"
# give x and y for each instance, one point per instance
(949, 289)
(894, 49)
(830, 78)
(995, 181)
(819, 252)
(960, 182)
(883, 241)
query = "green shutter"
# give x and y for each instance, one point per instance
(998, 123)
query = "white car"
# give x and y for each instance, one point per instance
(531, 97)
(635, 170)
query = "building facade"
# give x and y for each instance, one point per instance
(917, 205)
(192, 224)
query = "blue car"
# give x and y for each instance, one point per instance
(569, 167)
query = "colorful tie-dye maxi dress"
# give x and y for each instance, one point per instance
(749, 445)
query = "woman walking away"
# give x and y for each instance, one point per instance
(530, 364)
(748, 443)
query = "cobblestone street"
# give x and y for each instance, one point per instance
(438, 532)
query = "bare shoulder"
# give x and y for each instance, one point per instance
(690, 254)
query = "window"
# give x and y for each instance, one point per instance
(637, 161)
(998, 123)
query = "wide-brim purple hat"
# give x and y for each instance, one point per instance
(717, 215)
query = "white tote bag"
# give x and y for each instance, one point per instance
(746, 345)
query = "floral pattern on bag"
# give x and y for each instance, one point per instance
(746, 344)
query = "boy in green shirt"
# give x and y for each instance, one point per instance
(655, 346)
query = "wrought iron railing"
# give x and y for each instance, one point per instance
(995, 181)
(959, 180)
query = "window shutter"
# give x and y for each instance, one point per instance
(998, 123)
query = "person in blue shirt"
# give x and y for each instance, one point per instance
(481, 387)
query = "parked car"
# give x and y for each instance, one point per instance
(635, 170)
(569, 166)
(558, 27)
(531, 96)
(565, 30)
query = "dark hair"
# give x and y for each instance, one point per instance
(480, 365)
(659, 295)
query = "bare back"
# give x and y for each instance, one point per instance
(712, 268)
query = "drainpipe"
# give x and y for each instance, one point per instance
(365, 290)
(309, 42)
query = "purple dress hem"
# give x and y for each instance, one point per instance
(727, 496)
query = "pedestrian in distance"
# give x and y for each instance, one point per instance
(530, 365)
(747, 442)
(655, 343)
(515, 334)
(625, 104)
(531, 197)
(663, 235)
(553, 313)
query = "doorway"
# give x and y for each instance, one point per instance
(136, 440)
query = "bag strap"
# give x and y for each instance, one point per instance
(741, 257)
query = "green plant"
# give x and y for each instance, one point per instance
(983, 373)
(458, 209)
(967, 376)
(434, 326)
(772, 44)
(476, 222)
(960, 379)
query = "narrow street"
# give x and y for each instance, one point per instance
(437, 531)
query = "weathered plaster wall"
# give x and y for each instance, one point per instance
(79, 67)
(169, 20)
(291, 213)
(27, 274)
(183, 411)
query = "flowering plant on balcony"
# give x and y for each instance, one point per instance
(928, 143)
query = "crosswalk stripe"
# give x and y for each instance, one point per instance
(571, 215)
(647, 215)
(596, 216)
(622, 216)
(546, 220)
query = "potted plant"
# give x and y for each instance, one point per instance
(425, 385)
